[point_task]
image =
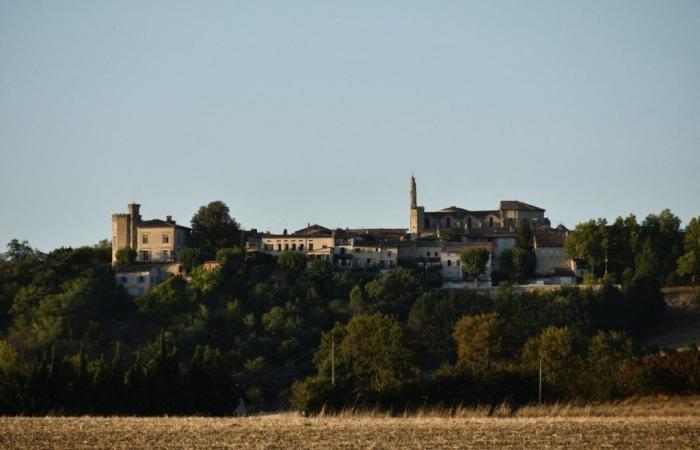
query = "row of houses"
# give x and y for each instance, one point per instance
(385, 249)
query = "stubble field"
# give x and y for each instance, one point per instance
(650, 426)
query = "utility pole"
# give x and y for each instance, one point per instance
(333, 362)
(540, 386)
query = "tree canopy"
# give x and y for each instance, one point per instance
(213, 228)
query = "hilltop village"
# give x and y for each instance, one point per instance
(433, 242)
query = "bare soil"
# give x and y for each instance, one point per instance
(657, 423)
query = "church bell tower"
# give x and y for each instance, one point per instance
(417, 212)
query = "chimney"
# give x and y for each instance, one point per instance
(169, 219)
(285, 232)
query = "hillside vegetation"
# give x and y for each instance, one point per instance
(277, 333)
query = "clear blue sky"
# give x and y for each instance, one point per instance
(296, 112)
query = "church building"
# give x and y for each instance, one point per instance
(505, 219)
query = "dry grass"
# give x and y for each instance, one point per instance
(644, 423)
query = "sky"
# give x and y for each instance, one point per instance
(319, 111)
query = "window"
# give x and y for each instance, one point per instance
(369, 261)
(123, 280)
(144, 239)
(279, 247)
(311, 246)
(469, 222)
(436, 254)
(286, 246)
(427, 254)
(449, 262)
(153, 280)
(447, 221)
(426, 223)
(165, 239)
(301, 247)
(491, 222)
(145, 255)
(294, 246)
(164, 255)
(342, 250)
(388, 253)
(141, 280)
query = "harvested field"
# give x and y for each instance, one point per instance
(571, 427)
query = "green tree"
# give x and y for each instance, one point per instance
(126, 255)
(357, 300)
(663, 234)
(587, 242)
(393, 292)
(689, 263)
(292, 262)
(135, 392)
(18, 250)
(556, 349)
(478, 340)
(377, 347)
(213, 228)
(607, 351)
(523, 237)
(9, 378)
(190, 258)
(622, 245)
(517, 263)
(474, 261)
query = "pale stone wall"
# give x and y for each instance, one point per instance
(451, 266)
(551, 258)
(417, 219)
(155, 244)
(121, 233)
(275, 244)
(138, 282)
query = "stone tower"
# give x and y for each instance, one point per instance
(417, 212)
(125, 229)
(135, 220)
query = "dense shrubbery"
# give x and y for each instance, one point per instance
(267, 330)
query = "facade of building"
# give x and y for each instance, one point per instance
(154, 240)
(450, 264)
(314, 241)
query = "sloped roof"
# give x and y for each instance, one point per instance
(314, 229)
(461, 213)
(158, 223)
(453, 209)
(549, 238)
(519, 206)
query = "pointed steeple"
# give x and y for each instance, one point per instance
(414, 202)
